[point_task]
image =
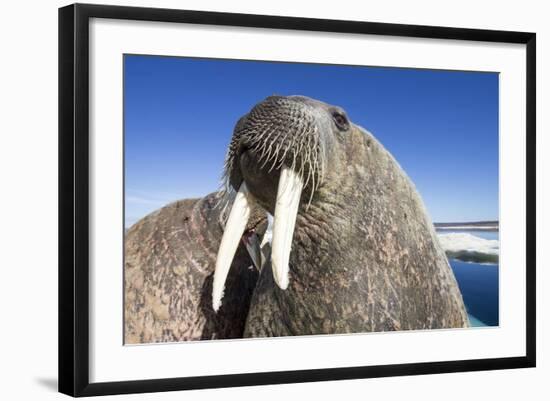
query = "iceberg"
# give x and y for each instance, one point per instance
(469, 248)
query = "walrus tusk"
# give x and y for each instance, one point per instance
(234, 229)
(286, 210)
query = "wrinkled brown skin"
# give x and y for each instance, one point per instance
(170, 257)
(365, 256)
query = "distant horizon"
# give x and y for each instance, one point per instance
(441, 126)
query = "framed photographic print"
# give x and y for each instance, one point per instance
(249, 199)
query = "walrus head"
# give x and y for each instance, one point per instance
(353, 247)
(278, 159)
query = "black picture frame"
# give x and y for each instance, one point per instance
(74, 198)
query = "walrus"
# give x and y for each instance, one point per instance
(170, 258)
(353, 247)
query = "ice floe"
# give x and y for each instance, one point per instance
(469, 248)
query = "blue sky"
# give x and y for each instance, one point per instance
(441, 126)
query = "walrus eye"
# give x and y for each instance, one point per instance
(340, 120)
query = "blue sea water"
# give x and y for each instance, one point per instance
(479, 286)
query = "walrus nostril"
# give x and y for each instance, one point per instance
(243, 148)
